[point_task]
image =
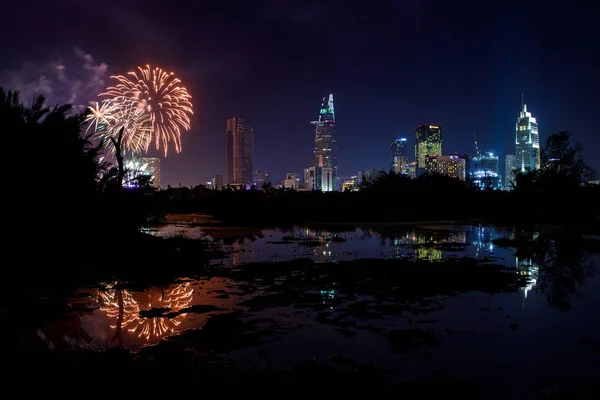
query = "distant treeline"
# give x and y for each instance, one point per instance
(390, 198)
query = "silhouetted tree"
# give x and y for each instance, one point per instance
(266, 186)
(63, 161)
(562, 167)
(119, 156)
(562, 162)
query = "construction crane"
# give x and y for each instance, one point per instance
(478, 153)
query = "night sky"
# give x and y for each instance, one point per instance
(391, 65)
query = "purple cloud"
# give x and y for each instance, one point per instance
(76, 79)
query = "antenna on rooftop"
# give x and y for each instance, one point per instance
(522, 103)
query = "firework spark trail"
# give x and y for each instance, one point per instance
(107, 119)
(159, 95)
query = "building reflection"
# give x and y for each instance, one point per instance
(526, 267)
(424, 245)
(483, 240)
(123, 307)
(428, 254)
(323, 243)
(328, 296)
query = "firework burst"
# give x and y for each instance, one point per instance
(159, 96)
(107, 119)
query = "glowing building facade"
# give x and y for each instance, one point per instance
(428, 142)
(412, 169)
(484, 172)
(324, 155)
(509, 167)
(239, 163)
(398, 160)
(320, 179)
(527, 142)
(453, 166)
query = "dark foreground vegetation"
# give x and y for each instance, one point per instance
(390, 199)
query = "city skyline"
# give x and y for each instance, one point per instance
(256, 60)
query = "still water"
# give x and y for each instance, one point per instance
(545, 333)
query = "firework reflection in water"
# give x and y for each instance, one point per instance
(123, 308)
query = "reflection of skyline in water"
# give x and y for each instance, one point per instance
(430, 243)
(326, 243)
(123, 309)
(427, 243)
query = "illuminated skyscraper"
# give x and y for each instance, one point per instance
(325, 148)
(398, 160)
(239, 165)
(527, 141)
(428, 143)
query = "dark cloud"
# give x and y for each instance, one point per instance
(76, 78)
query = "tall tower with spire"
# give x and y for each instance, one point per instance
(527, 141)
(324, 155)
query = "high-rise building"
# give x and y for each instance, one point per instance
(428, 143)
(320, 179)
(260, 178)
(527, 141)
(217, 182)
(324, 155)
(509, 171)
(327, 179)
(467, 157)
(453, 166)
(151, 166)
(412, 169)
(483, 171)
(239, 164)
(306, 178)
(398, 160)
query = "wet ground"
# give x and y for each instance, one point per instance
(512, 310)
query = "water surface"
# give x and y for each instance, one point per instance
(516, 341)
